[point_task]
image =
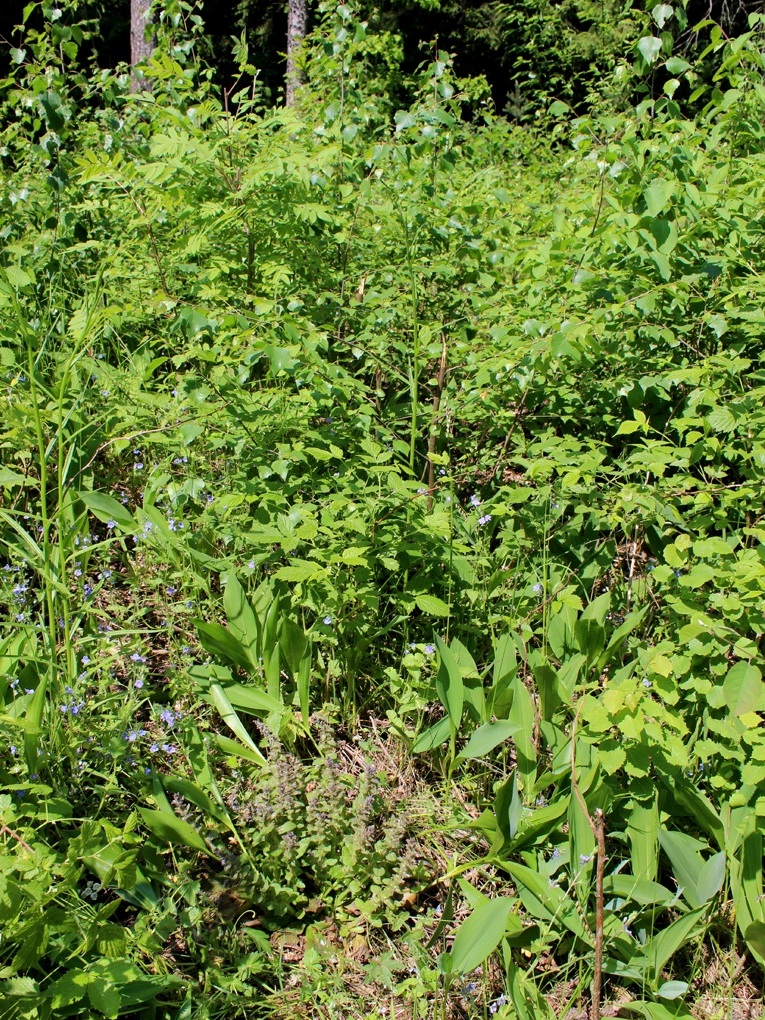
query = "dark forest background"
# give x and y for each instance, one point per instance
(529, 51)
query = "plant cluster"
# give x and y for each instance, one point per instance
(349, 420)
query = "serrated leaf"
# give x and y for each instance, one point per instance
(297, 572)
(721, 420)
(432, 605)
(68, 989)
(105, 998)
(660, 665)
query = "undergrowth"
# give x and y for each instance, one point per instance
(382, 543)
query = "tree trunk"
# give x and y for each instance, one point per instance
(296, 22)
(141, 48)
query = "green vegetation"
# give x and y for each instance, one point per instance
(383, 561)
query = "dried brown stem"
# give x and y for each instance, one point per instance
(6, 831)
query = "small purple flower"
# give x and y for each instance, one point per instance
(169, 748)
(138, 684)
(429, 649)
(136, 657)
(474, 500)
(168, 717)
(132, 735)
(327, 621)
(485, 519)
(111, 525)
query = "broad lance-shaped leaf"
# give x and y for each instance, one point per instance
(434, 736)
(293, 644)
(449, 684)
(232, 720)
(107, 509)
(663, 946)
(242, 621)
(478, 936)
(221, 642)
(487, 737)
(698, 881)
(169, 828)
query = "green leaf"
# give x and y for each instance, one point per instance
(505, 659)
(755, 939)
(662, 947)
(232, 720)
(194, 794)
(545, 901)
(294, 645)
(302, 570)
(643, 839)
(711, 877)
(686, 861)
(17, 277)
(106, 509)
(662, 13)
(431, 605)
(232, 747)
(627, 887)
(672, 989)
(242, 621)
(486, 738)
(105, 998)
(662, 264)
(479, 935)
(252, 699)
(168, 828)
(676, 65)
(434, 736)
(68, 989)
(221, 643)
(743, 688)
(649, 48)
(449, 684)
